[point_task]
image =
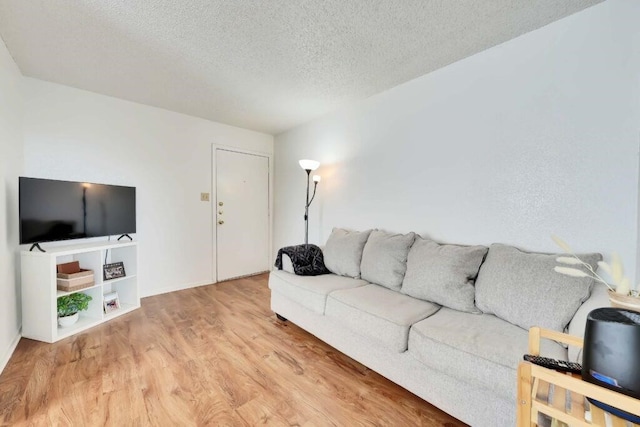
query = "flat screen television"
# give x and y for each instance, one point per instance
(52, 210)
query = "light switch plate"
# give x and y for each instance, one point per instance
(204, 197)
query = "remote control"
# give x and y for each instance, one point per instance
(558, 365)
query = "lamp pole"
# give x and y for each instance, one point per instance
(306, 209)
(308, 166)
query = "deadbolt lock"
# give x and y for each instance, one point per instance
(220, 204)
(221, 222)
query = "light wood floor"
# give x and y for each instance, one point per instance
(213, 355)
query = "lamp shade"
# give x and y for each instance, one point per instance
(309, 165)
(316, 178)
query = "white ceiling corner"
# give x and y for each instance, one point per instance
(264, 65)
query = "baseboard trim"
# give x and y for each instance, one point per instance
(12, 347)
(175, 288)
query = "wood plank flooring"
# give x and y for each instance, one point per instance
(213, 355)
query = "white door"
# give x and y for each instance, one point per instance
(242, 214)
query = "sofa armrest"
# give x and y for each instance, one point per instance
(599, 298)
(287, 265)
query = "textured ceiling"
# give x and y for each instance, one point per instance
(266, 65)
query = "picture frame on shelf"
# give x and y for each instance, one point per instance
(114, 270)
(111, 302)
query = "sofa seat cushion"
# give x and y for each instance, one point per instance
(480, 349)
(379, 313)
(310, 291)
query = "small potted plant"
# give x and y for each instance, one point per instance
(69, 306)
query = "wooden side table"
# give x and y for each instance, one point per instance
(561, 396)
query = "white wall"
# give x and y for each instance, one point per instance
(10, 167)
(536, 136)
(82, 136)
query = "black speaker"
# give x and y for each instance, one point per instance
(611, 355)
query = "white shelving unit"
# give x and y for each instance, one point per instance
(39, 291)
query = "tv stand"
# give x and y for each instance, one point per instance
(125, 235)
(40, 293)
(36, 246)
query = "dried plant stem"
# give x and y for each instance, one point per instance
(593, 272)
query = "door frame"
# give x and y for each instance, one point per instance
(214, 203)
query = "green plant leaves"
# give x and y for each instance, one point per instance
(73, 303)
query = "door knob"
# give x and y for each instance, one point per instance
(221, 222)
(220, 212)
(220, 204)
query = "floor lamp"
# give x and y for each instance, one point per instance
(308, 166)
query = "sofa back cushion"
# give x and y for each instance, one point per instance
(444, 274)
(384, 258)
(343, 251)
(522, 288)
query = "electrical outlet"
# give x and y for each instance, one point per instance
(204, 197)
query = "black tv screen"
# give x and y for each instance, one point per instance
(53, 210)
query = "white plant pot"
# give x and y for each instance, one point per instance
(67, 320)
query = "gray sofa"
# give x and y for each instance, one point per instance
(447, 322)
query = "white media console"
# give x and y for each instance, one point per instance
(40, 294)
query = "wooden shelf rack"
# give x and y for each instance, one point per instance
(561, 396)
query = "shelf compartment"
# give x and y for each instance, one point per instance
(127, 290)
(84, 322)
(87, 260)
(128, 255)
